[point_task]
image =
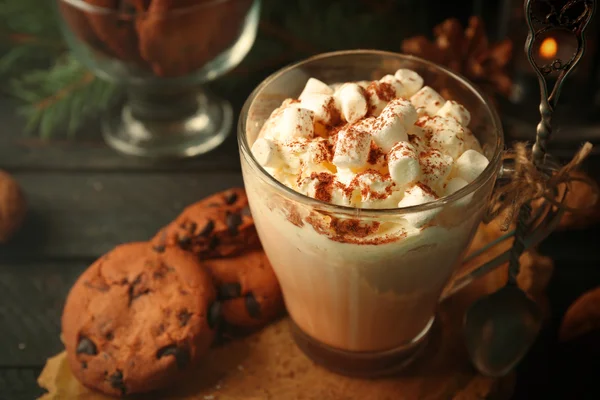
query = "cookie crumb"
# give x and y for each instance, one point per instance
(21, 346)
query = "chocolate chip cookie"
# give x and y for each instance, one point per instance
(115, 28)
(247, 288)
(177, 37)
(137, 318)
(218, 226)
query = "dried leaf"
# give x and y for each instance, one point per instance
(582, 317)
(57, 379)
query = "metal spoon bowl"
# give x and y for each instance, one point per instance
(500, 328)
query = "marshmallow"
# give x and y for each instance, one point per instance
(403, 164)
(323, 105)
(414, 196)
(396, 84)
(293, 152)
(315, 86)
(403, 109)
(419, 142)
(323, 186)
(470, 165)
(388, 130)
(266, 153)
(352, 148)
(471, 141)
(372, 190)
(447, 135)
(452, 109)
(410, 79)
(435, 167)
(454, 185)
(365, 124)
(295, 122)
(352, 101)
(428, 100)
(379, 93)
(363, 84)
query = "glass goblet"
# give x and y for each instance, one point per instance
(162, 52)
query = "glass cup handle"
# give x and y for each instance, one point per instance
(548, 217)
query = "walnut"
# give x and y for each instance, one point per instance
(13, 206)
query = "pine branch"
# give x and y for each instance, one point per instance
(62, 97)
(29, 35)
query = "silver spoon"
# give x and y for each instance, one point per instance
(500, 328)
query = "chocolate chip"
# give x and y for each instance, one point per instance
(192, 227)
(116, 381)
(229, 291)
(252, 306)
(109, 336)
(159, 248)
(160, 272)
(83, 365)
(182, 356)
(233, 221)
(184, 317)
(230, 198)
(86, 346)
(214, 242)
(184, 242)
(136, 289)
(214, 314)
(208, 228)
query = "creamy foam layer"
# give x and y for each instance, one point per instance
(382, 144)
(359, 293)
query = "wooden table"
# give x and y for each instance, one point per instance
(84, 199)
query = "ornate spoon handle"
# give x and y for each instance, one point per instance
(544, 16)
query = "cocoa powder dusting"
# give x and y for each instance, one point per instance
(332, 112)
(375, 154)
(324, 186)
(350, 230)
(428, 165)
(427, 189)
(383, 90)
(353, 227)
(422, 121)
(294, 217)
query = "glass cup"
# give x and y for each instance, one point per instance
(162, 52)
(362, 286)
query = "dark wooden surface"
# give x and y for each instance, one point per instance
(84, 199)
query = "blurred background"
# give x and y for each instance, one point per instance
(50, 75)
(84, 82)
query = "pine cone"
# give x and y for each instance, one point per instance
(467, 52)
(12, 206)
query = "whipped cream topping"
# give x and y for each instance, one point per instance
(388, 143)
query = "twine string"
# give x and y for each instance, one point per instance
(529, 182)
